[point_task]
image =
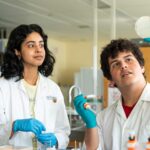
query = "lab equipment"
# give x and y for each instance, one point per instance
(76, 122)
(48, 139)
(72, 111)
(132, 142)
(85, 112)
(84, 80)
(29, 125)
(148, 144)
(86, 106)
(142, 28)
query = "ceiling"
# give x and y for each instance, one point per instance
(73, 19)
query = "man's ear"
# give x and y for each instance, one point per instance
(112, 83)
(143, 69)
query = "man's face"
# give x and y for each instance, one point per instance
(125, 69)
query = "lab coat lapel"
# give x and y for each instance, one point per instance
(119, 122)
(21, 99)
(120, 111)
(39, 99)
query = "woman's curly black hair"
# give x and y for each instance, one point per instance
(113, 48)
(12, 66)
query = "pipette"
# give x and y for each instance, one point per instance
(88, 106)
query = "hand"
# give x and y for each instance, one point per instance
(48, 139)
(87, 115)
(28, 125)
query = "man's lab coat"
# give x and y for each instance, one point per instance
(14, 104)
(114, 127)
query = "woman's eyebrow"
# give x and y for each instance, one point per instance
(34, 42)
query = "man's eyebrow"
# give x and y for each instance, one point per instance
(113, 61)
(128, 56)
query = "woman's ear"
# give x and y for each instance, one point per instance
(18, 54)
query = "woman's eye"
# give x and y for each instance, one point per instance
(30, 45)
(42, 45)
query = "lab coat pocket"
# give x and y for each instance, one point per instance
(51, 98)
(51, 105)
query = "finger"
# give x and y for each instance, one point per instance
(40, 125)
(35, 130)
(79, 100)
(45, 136)
(37, 127)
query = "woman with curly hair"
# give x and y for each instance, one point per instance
(32, 109)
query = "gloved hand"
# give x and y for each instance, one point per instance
(87, 115)
(28, 125)
(48, 139)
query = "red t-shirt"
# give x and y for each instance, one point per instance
(127, 109)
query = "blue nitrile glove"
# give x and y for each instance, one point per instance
(87, 115)
(28, 125)
(48, 139)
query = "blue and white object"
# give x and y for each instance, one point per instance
(142, 28)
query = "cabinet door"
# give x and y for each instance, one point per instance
(146, 54)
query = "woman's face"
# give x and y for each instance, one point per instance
(32, 50)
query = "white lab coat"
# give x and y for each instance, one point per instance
(14, 104)
(114, 127)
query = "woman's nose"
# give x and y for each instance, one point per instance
(38, 49)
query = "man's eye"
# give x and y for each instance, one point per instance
(128, 59)
(115, 65)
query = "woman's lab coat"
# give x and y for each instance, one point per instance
(14, 104)
(114, 127)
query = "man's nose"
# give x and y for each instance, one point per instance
(124, 65)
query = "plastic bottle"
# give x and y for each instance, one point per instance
(132, 142)
(34, 143)
(148, 144)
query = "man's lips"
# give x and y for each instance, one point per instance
(124, 74)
